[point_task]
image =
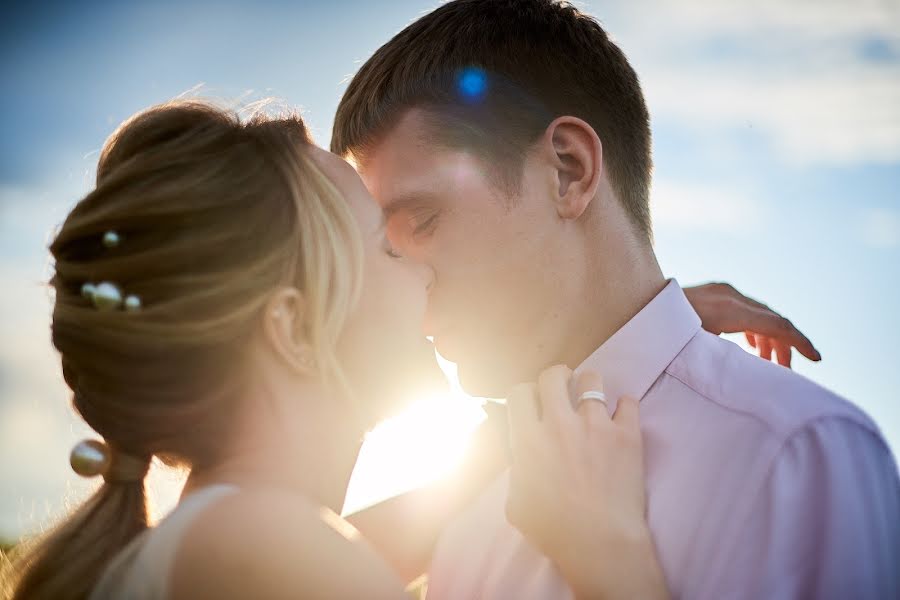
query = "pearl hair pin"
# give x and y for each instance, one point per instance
(111, 239)
(108, 296)
(132, 303)
(90, 458)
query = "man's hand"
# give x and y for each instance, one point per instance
(723, 309)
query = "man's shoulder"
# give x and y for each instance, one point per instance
(735, 385)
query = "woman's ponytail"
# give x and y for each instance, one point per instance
(67, 561)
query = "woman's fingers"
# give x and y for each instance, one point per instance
(765, 322)
(531, 408)
(522, 413)
(627, 414)
(587, 381)
(751, 338)
(527, 440)
(764, 346)
(783, 352)
(553, 391)
(591, 410)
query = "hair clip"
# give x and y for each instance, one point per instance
(90, 458)
(108, 296)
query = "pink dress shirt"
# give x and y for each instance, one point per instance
(760, 483)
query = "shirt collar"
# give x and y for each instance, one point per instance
(637, 354)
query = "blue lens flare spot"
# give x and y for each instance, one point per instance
(472, 84)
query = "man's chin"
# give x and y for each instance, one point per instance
(483, 381)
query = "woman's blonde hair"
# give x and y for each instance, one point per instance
(213, 214)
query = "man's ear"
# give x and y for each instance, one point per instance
(577, 158)
(285, 331)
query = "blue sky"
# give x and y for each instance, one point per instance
(777, 149)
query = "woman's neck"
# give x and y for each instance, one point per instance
(303, 442)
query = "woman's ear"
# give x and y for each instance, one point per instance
(285, 331)
(577, 157)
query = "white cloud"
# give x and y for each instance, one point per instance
(808, 16)
(699, 207)
(795, 71)
(880, 228)
(843, 117)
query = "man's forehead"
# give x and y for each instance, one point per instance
(412, 186)
(398, 159)
(410, 167)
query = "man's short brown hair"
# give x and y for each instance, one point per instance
(491, 75)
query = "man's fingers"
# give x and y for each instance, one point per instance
(751, 338)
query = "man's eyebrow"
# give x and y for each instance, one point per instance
(407, 202)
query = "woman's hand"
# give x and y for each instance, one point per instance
(577, 487)
(723, 309)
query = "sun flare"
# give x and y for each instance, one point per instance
(418, 446)
(412, 449)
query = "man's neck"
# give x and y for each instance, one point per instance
(616, 291)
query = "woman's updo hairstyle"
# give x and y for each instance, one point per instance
(200, 216)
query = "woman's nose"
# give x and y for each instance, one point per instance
(426, 273)
(421, 267)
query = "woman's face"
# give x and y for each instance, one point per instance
(383, 348)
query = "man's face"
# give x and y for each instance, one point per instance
(496, 306)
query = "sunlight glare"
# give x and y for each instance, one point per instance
(412, 449)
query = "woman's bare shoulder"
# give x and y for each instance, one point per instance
(272, 544)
